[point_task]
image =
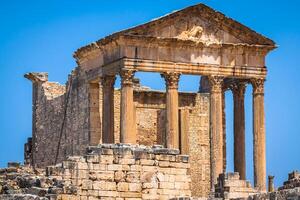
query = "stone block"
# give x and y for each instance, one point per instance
(166, 185)
(149, 168)
(82, 165)
(135, 187)
(106, 159)
(82, 174)
(108, 194)
(126, 167)
(133, 177)
(87, 184)
(150, 185)
(93, 193)
(101, 167)
(135, 168)
(178, 171)
(164, 163)
(180, 165)
(126, 161)
(122, 186)
(150, 196)
(130, 194)
(182, 178)
(104, 185)
(182, 158)
(119, 176)
(182, 185)
(92, 158)
(114, 167)
(147, 162)
(105, 176)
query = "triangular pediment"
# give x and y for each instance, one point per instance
(202, 24)
(198, 23)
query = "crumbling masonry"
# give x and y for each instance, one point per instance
(90, 111)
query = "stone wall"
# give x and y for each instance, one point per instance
(60, 122)
(48, 100)
(108, 171)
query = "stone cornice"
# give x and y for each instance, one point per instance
(150, 41)
(95, 49)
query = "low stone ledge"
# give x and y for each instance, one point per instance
(122, 149)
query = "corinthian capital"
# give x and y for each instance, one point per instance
(108, 81)
(258, 86)
(172, 79)
(216, 83)
(127, 77)
(238, 89)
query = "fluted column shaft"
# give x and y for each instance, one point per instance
(238, 90)
(108, 109)
(128, 132)
(172, 128)
(259, 147)
(216, 128)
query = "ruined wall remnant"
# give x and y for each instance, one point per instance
(69, 119)
(107, 171)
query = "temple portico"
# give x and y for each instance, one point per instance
(216, 89)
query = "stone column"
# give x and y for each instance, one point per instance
(128, 132)
(224, 129)
(108, 83)
(172, 128)
(271, 187)
(238, 90)
(259, 148)
(216, 129)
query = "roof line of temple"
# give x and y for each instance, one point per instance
(220, 18)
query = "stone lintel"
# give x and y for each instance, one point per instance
(242, 72)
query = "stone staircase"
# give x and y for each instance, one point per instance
(230, 186)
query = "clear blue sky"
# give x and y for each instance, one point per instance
(42, 35)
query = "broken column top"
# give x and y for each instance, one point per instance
(37, 77)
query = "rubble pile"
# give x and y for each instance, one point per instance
(292, 182)
(24, 182)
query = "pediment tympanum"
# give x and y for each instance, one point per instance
(194, 35)
(200, 23)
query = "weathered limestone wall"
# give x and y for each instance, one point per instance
(60, 122)
(107, 171)
(47, 121)
(126, 172)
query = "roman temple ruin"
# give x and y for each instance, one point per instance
(136, 142)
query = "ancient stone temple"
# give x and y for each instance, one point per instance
(89, 112)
